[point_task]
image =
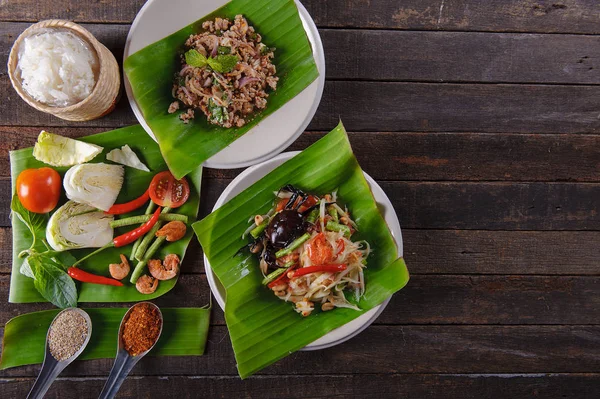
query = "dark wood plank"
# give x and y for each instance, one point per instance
(395, 106)
(441, 205)
(457, 252)
(421, 56)
(430, 299)
(502, 252)
(417, 156)
(461, 57)
(393, 349)
(495, 206)
(423, 386)
(577, 16)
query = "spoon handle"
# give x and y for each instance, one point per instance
(50, 370)
(121, 368)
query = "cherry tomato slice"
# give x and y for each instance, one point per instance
(319, 250)
(39, 189)
(165, 190)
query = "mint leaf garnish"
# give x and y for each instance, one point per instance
(195, 59)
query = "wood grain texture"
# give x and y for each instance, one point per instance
(385, 349)
(422, 386)
(457, 252)
(576, 16)
(461, 57)
(430, 299)
(421, 56)
(417, 156)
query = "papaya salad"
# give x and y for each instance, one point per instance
(90, 216)
(306, 252)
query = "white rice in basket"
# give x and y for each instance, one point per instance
(57, 68)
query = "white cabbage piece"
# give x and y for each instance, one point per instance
(94, 184)
(56, 150)
(127, 157)
(76, 225)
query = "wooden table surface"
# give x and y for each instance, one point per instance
(481, 121)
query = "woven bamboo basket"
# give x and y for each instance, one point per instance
(104, 96)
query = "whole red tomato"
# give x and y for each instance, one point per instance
(39, 189)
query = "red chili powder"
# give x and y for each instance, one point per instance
(141, 329)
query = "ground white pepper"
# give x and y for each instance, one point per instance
(67, 334)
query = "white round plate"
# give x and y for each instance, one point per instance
(348, 330)
(160, 18)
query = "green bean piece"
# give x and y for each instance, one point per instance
(257, 231)
(313, 215)
(273, 275)
(170, 217)
(333, 226)
(139, 268)
(136, 244)
(139, 254)
(333, 213)
(295, 244)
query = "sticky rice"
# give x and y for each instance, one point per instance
(57, 68)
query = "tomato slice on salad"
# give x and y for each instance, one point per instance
(165, 190)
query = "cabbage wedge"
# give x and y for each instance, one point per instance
(151, 70)
(264, 329)
(185, 331)
(22, 288)
(75, 226)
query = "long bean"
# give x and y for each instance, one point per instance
(139, 253)
(139, 268)
(333, 213)
(272, 276)
(295, 244)
(333, 226)
(169, 217)
(313, 215)
(255, 232)
(136, 244)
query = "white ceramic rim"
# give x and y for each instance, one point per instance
(318, 53)
(359, 324)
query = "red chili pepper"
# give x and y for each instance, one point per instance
(134, 234)
(281, 279)
(86, 277)
(119, 209)
(333, 268)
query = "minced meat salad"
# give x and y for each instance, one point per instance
(225, 73)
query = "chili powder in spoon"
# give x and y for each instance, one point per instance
(141, 329)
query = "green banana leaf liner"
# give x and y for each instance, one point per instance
(135, 183)
(151, 70)
(184, 333)
(263, 328)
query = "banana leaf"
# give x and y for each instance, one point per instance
(135, 183)
(263, 328)
(150, 72)
(185, 331)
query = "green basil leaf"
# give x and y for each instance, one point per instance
(35, 222)
(195, 59)
(51, 280)
(223, 63)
